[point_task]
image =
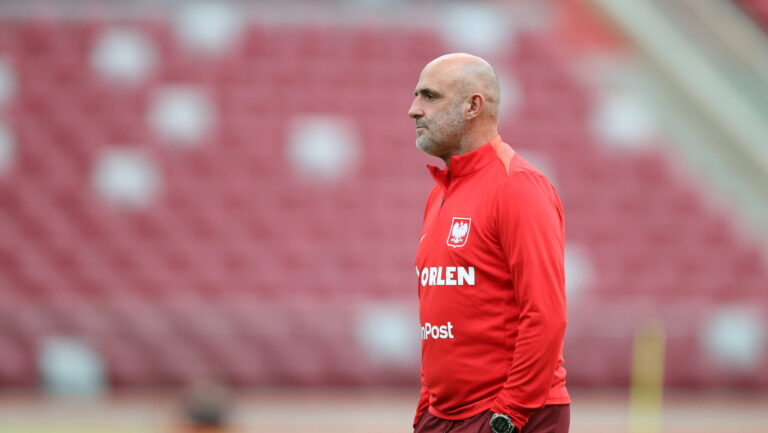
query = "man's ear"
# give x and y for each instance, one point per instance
(476, 103)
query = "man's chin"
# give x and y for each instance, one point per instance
(425, 146)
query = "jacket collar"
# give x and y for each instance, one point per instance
(462, 165)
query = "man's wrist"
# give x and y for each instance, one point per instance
(501, 423)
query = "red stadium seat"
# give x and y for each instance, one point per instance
(242, 269)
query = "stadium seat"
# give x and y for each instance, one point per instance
(242, 268)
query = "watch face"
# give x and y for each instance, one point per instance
(500, 424)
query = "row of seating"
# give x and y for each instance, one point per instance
(244, 267)
(282, 343)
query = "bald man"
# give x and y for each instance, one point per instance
(489, 264)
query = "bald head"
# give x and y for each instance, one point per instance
(470, 74)
(455, 105)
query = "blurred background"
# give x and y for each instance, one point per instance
(209, 210)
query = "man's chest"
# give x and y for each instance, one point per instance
(459, 257)
(459, 229)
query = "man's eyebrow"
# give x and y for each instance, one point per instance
(425, 91)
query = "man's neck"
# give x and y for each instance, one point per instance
(470, 142)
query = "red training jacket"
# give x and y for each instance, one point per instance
(491, 288)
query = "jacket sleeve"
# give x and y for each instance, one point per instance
(531, 231)
(423, 404)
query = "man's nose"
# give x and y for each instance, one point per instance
(415, 112)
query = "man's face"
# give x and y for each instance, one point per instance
(437, 110)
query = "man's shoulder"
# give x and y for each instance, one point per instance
(524, 181)
(521, 165)
(513, 163)
(520, 170)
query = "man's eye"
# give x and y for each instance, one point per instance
(430, 96)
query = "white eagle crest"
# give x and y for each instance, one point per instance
(458, 231)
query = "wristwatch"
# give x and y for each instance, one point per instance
(501, 423)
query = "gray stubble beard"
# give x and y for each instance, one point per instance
(450, 126)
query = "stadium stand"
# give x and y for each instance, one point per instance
(212, 253)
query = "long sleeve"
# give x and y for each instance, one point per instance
(531, 231)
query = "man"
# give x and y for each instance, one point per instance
(489, 265)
